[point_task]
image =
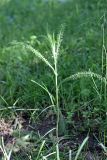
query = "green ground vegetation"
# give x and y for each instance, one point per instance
(53, 63)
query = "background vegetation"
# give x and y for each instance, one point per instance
(82, 100)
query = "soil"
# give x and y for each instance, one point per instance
(66, 143)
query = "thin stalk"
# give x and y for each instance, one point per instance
(57, 151)
(57, 97)
(104, 49)
(104, 55)
(102, 68)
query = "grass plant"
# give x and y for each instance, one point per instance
(44, 78)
